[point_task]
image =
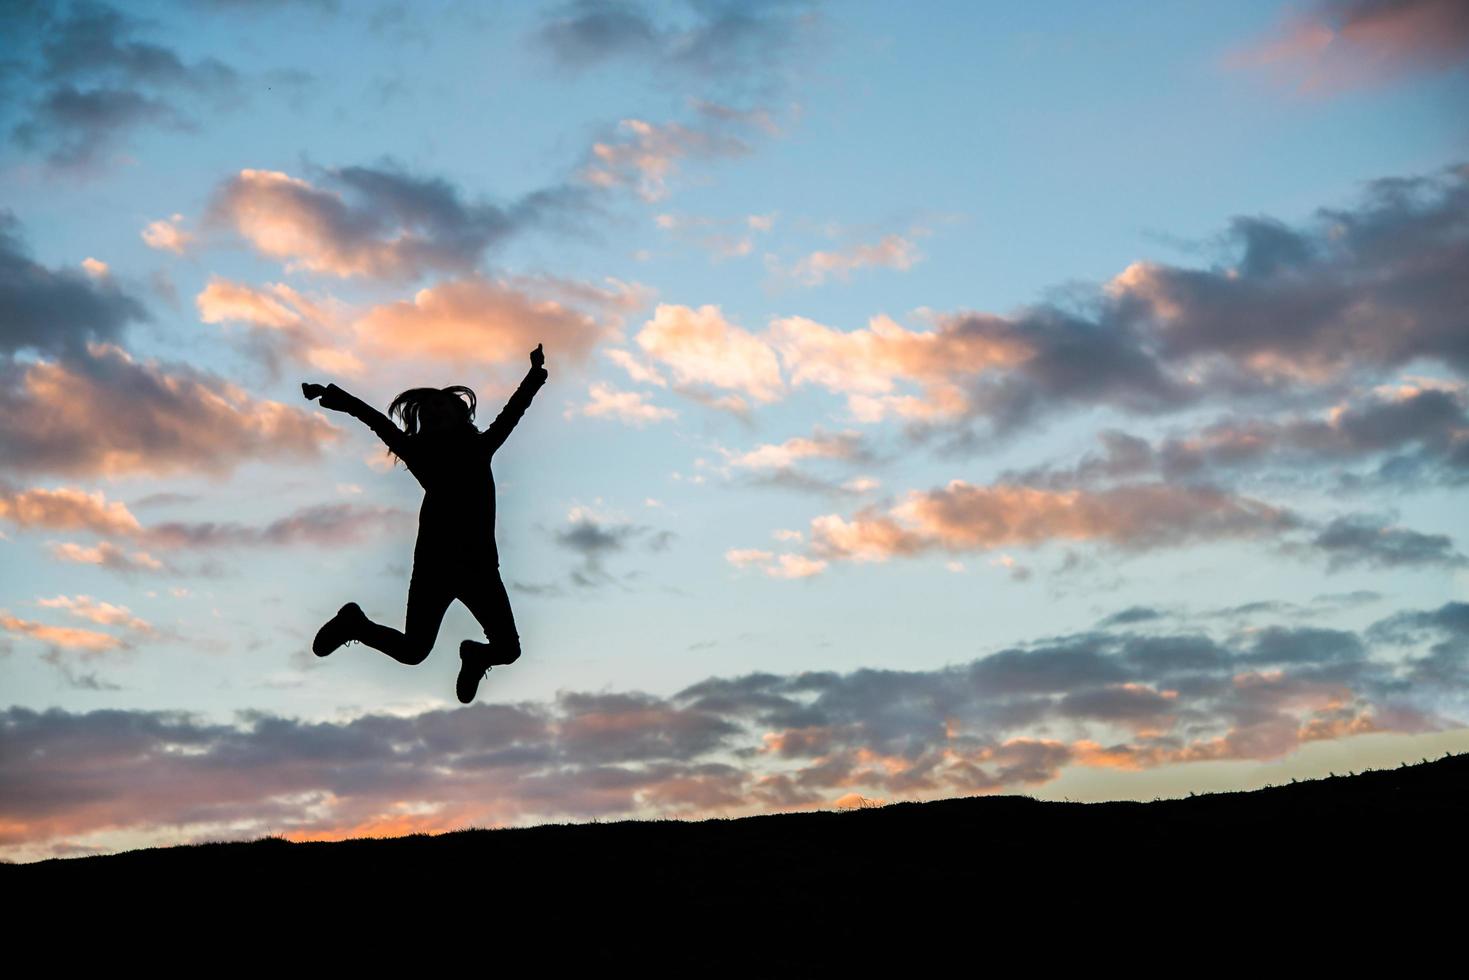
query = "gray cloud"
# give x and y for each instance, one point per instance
(1371, 540)
(594, 538)
(1289, 313)
(735, 745)
(319, 524)
(83, 81)
(735, 44)
(55, 311)
(1317, 299)
(1410, 437)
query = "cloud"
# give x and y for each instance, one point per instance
(594, 536)
(377, 223)
(166, 235)
(740, 557)
(66, 509)
(277, 306)
(1342, 44)
(1372, 541)
(583, 33)
(105, 554)
(964, 517)
(58, 311)
(1415, 433)
(283, 324)
(1309, 304)
(784, 455)
(742, 46)
(67, 638)
(795, 566)
(700, 347)
(643, 155)
(107, 414)
(488, 321)
(721, 238)
(88, 82)
(324, 525)
(1292, 312)
(892, 252)
(101, 613)
(629, 407)
(786, 565)
(72, 509)
(1004, 721)
(867, 365)
(636, 369)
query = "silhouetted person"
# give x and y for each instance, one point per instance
(455, 557)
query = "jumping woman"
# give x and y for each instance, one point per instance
(455, 557)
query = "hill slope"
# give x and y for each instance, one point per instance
(1278, 848)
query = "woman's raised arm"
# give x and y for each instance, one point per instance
(500, 429)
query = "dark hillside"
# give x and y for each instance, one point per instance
(1304, 848)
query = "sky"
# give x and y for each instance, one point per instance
(953, 399)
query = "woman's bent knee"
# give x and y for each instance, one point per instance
(507, 648)
(415, 654)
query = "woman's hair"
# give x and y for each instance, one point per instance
(407, 405)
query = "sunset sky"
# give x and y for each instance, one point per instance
(1065, 399)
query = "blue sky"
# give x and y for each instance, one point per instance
(898, 360)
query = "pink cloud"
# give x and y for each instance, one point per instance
(1342, 44)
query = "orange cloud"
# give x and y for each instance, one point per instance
(65, 637)
(966, 517)
(108, 414)
(102, 613)
(277, 306)
(67, 509)
(631, 407)
(167, 236)
(701, 347)
(784, 455)
(478, 320)
(867, 365)
(106, 554)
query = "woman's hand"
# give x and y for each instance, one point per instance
(330, 395)
(537, 357)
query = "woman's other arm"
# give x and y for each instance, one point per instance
(504, 423)
(338, 400)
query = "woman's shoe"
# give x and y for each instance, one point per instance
(339, 629)
(474, 664)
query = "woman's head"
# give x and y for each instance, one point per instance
(434, 409)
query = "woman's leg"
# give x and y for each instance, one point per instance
(485, 596)
(429, 595)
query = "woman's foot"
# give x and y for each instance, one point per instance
(475, 662)
(339, 629)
